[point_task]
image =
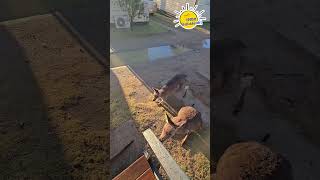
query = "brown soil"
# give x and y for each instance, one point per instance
(53, 119)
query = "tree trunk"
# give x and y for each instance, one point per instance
(131, 23)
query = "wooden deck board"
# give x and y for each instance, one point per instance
(147, 175)
(168, 163)
(135, 170)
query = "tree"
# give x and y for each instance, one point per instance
(132, 7)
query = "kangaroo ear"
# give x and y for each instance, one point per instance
(168, 120)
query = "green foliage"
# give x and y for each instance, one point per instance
(133, 7)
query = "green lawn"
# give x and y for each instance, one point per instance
(129, 58)
(144, 29)
(206, 26)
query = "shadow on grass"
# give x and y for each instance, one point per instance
(29, 146)
(88, 17)
(122, 124)
(119, 108)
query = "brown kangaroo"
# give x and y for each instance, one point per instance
(187, 121)
(172, 86)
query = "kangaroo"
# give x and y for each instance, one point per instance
(252, 160)
(187, 121)
(173, 86)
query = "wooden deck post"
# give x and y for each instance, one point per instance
(172, 169)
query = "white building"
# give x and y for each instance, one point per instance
(169, 6)
(116, 11)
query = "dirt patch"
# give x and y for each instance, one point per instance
(64, 108)
(147, 114)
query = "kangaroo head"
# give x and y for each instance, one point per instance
(170, 129)
(156, 94)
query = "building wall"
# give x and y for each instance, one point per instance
(170, 6)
